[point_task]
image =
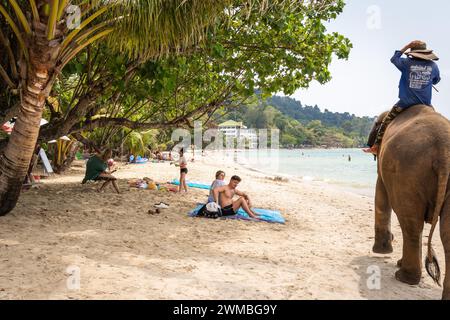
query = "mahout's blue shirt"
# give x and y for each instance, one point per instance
(416, 82)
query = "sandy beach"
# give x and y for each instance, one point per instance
(121, 252)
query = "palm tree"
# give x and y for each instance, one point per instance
(46, 43)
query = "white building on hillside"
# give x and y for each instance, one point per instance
(236, 130)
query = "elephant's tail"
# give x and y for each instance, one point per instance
(431, 262)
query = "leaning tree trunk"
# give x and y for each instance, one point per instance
(70, 157)
(35, 89)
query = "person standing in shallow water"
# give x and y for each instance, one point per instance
(419, 74)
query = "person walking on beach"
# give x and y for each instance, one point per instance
(182, 162)
(419, 74)
(226, 193)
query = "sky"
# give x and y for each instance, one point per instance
(367, 83)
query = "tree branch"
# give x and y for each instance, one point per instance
(86, 141)
(135, 125)
(12, 61)
(6, 78)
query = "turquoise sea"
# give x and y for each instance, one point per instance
(350, 169)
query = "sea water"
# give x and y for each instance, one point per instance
(350, 169)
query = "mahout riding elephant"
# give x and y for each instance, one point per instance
(414, 182)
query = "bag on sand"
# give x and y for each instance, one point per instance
(211, 210)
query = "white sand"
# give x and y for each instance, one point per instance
(121, 252)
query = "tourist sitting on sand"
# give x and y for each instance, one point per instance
(219, 182)
(96, 168)
(226, 193)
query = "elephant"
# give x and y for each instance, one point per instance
(413, 180)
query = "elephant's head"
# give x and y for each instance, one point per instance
(375, 127)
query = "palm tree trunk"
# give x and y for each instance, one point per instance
(16, 159)
(21, 145)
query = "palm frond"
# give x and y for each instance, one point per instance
(153, 28)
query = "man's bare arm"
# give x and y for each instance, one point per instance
(243, 194)
(240, 193)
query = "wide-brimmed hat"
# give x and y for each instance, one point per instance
(421, 52)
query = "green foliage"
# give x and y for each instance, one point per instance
(149, 29)
(139, 143)
(282, 50)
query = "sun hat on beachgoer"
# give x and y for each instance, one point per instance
(421, 52)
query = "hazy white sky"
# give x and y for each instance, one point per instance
(367, 83)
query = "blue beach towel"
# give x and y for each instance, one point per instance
(192, 184)
(264, 214)
(138, 160)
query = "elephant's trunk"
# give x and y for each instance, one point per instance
(431, 262)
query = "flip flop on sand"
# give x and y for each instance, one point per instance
(162, 205)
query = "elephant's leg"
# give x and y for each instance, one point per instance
(445, 238)
(410, 265)
(383, 235)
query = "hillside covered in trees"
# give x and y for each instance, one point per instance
(303, 125)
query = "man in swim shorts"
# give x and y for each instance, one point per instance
(227, 192)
